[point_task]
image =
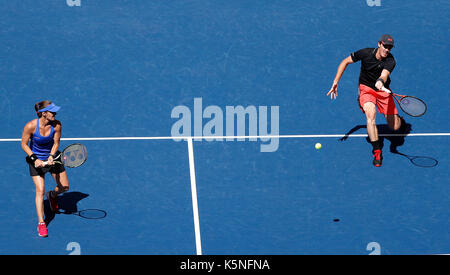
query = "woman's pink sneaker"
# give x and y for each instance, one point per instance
(42, 230)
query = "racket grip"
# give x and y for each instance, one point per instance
(385, 90)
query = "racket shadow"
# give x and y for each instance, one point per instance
(420, 161)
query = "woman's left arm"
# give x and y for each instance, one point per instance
(56, 139)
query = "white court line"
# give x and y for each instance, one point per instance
(238, 137)
(198, 241)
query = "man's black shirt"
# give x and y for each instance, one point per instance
(371, 67)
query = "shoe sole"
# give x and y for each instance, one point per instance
(377, 164)
(43, 236)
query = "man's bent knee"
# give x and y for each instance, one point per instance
(394, 122)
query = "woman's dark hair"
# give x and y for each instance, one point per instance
(41, 105)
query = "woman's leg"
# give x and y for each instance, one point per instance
(39, 182)
(62, 183)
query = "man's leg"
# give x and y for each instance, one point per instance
(395, 122)
(388, 108)
(371, 113)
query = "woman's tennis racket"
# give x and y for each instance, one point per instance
(72, 156)
(411, 105)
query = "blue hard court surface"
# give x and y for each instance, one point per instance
(119, 68)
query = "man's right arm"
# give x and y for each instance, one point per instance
(342, 68)
(340, 71)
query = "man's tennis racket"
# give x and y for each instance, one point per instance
(72, 156)
(411, 105)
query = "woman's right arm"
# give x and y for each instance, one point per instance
(26, 134)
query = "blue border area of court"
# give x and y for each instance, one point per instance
(119, 68)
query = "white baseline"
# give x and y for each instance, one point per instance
(238, 137)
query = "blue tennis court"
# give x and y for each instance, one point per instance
(130, 74)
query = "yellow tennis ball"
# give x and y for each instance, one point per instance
(318, 146)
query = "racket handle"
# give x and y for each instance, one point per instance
(385, 90)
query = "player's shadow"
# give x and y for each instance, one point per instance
(67, 203)
(396, 139)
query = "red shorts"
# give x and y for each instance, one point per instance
(384, 102)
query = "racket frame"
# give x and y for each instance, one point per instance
(56, 161)
(402, 97)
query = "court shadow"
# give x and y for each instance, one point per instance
(67, 203)
(396, 139)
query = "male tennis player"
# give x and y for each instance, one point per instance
(44, 134)
(376, 66)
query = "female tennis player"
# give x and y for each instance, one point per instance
(40, 141)
(376, 66)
